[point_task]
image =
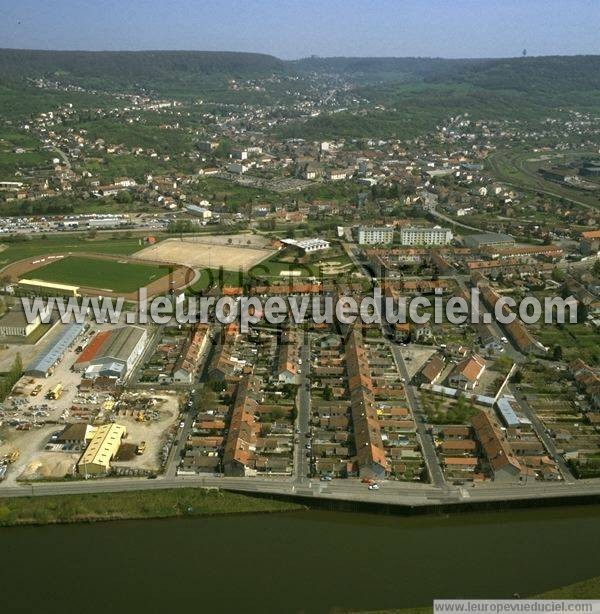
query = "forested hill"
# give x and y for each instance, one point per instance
(410, 96)
(130, 66)
(549, 73)
(392, 69)
(534, 74)
(522, 73)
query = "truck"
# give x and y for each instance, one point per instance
(11, 457)
(55, 392)
(141, 448)
(36, 390)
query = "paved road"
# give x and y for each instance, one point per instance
(193, 404)
(449, 220)
(62, 155)
(427, 446)
(396, 493)
(303, 402)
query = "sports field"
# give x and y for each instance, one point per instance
(102, 274)
(210, 252)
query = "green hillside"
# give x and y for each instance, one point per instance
(413, 94)
(132, 66)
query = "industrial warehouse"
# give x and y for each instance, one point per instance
(43, 364)
(112, 353)
(103, 447)
(14, 323)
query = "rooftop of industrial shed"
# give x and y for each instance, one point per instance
(116, 343)
(59, 345)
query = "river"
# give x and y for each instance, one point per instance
(308, 562)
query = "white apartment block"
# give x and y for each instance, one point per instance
(425, 236)
(369, 235)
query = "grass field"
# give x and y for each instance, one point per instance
(278, 269)
(61, 243)
(576, 341)
(215, 277)
(128, 505)
(97, 273)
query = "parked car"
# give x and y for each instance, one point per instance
(373, 486)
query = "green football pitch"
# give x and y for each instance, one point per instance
(109, 275)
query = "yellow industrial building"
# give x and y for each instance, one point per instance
(103, 447)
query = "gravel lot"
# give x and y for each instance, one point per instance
(208, 252)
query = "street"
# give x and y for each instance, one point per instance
(391, 492)
(427, 446)
(303, 403)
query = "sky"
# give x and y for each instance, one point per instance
(293, 29)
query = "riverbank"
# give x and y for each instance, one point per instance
(587, 589)
(64, 509)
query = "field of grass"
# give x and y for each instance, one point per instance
(57, 243)
(313, 266)
(219, 278)
(576, 341)
(130, 505)
(137, 166)
(274, 267)
(11, 162)
(98, 273)
(236, 196)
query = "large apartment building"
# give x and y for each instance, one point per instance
(369, 235)
(425, 236)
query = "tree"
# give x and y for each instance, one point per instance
(328, 393)
(124, 197)
(289, 390)
(11, 378)
(557, 353)
(558, 275)
(218, 386)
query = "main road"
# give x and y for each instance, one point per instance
(393, 493)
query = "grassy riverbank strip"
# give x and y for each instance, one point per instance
(168, 503)
(586, 589)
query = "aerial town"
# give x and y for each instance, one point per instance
(201, 197)
(300, 307)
